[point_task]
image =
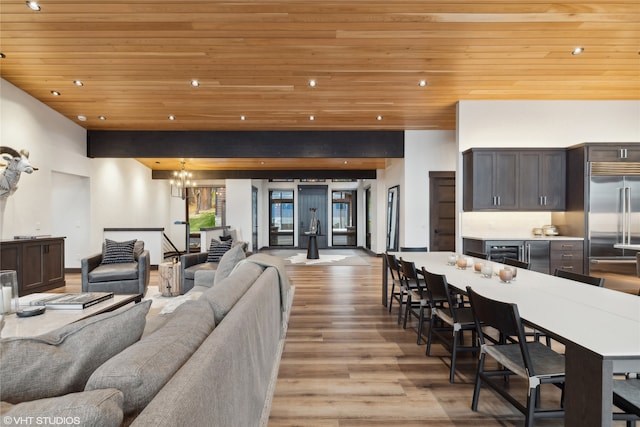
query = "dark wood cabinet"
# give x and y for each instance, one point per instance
(567, 255)
(38, 262)
(612, 152)
(490, 179)
(514, 179)
(542, 180)
(543, 255)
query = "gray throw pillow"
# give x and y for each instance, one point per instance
(98, 408)
(141, 370)
(228, 263)
(224, 295)
(62, 361)
(118, 252)
(217, 249)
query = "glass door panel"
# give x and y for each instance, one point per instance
(343, 218)
(281, 226)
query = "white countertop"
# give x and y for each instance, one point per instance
(602, 320)
(498, 236)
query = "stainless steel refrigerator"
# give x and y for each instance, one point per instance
(614, 219)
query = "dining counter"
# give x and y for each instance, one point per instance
(599, 327)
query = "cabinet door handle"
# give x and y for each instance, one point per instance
(567, 267)
(567, 256)
(567, 246)
(498, 198)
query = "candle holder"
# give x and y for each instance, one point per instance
(487, 270)
(506, 275)
(9, 302)
(461, 263)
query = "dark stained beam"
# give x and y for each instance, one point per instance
(222, 144)
(271, 174)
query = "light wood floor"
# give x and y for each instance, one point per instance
(346, 362)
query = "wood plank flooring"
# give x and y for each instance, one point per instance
(347, 363)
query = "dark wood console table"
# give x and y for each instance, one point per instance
(38, 261)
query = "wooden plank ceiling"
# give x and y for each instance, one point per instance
(255, 59)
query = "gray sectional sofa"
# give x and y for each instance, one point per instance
(192, 265)
(213, 361)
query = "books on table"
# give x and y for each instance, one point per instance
(72, 301)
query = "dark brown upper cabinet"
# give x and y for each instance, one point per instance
(490, 179)
(629, 152)
(514, 179)
(542, 180)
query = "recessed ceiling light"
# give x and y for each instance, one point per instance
(78, 83)
(33, 5)
(577, 51)
(379, 118)
(172, 117)
(312, 118)
(312, 83)
(345, 162)
(55, 93)
(82, 118)
(195, 83)
(102, 117)
(2, 55)
(243, 118)
(422, 83)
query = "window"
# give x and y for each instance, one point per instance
(281, 229)
(206, 207)
(343, 218)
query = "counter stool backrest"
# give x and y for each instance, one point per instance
(475, 254)
(589, 280)
(515, 263)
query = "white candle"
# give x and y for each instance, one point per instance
(6, 299)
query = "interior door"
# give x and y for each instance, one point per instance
(313, 197)
(442, 211)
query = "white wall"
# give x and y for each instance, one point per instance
(535, 124)
(239, 208)
(424, 151)
(121, 194)
(546, 123)
(71, 215)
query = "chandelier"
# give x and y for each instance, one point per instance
(181, 182)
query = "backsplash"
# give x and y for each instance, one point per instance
(502, 224)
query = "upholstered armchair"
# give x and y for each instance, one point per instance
(207, 260)
(117, 270)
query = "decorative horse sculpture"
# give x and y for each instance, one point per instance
(14, 163)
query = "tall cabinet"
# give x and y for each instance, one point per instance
(39, 263)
